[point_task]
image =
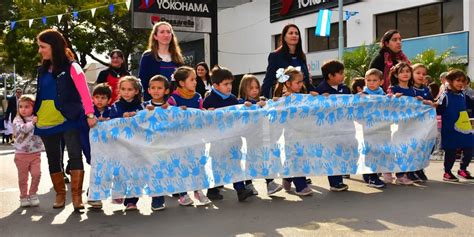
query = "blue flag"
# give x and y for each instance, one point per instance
(349, 14)
(12, 25)
(323, 24)
(111, 9)
(74, 15)
(44, 20)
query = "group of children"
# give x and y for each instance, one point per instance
(406, 80)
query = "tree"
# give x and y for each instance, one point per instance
(437, 64)
(357, 61)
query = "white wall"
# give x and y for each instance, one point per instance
(245, 32)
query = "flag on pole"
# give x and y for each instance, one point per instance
(74, 15)
(349, 14)
(30, 22)
(323, 24)
(44, 20)
(93, 12)
(59, 18)
(111, 9)
(12, 25)
(128, 4)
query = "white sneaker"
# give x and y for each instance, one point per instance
(251, 188)
(34, 201)
(273, 187)
(199, 195)
(24, 202)
(185, 200)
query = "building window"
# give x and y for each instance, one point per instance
(277, 41)
(318, 43)
(424, 20)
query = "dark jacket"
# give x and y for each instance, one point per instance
(201, 86)
(278, 60)
(215, 101)
(68, 100)
(11, 108)
(324, 87)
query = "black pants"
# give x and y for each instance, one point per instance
(54, 150)
(450, 158)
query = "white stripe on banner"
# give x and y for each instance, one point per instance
(323, 24)
(168, 151)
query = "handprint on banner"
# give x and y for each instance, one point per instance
(299, 148)
(265, 154)
(128, 132)
(293, 111)
(350, 113)
(115, 132)
(338, 150)
(276, 150)
(304, 113)
(306, 167)
(320, 118)
(283, 116)
(148, 135)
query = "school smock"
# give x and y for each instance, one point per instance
(218, 100)
(424, 92)
(176, 99)
(122, 106)
(405, 91)
(324, 87)
(451, 105)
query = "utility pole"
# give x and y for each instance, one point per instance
(341, 30)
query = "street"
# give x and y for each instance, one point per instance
(435, 208)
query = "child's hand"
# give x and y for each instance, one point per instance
(326, 94)
(275, 98)
(398, 95)
(150, 107)
(183, 107)
(34, 120)
(419, 98)
(261, 103)
(313, 93)
(429, 102)
(247, 104)
(287, 93)
(211, 109)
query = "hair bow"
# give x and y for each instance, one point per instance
(280, 74)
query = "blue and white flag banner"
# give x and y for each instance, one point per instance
(172, 150)
(323, 24)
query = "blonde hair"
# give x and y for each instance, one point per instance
(291, 72)
(418, 65)
(245, 83)
(25, 98)
(174, 48)
(137, 85)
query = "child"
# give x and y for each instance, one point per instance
(186, 96)
(158, 88)
(358, 84)
(373, 83)
(333, 74)
(249, 91)
(456, 130)
(28, 149)
(101, 97)
(221, 96)
(130, 93)
(291, 81)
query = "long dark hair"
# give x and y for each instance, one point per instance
(395, 70)
(386, 38)
(208, 76)
(61, 55)
(119, 53)
(284, 46)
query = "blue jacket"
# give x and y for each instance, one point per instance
(324, 87)
(122, 106)
(216, 101)
(68, 100)
(278, 60)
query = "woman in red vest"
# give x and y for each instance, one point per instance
(112, 75)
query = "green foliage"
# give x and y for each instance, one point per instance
(357, 61)
(437, 64)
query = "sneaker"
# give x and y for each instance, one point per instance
(388, 178)
(449, 177)
(412, 176)
(131, 207)
(404, 180)
(340, 187)
(273, 187)
(244, 194)
(185, 200)
(157, 207)
(421, 175)
(252, 188)
(376, 183)
(95, 204)
(309, 181)
(199, 195)
(305, 192)
(34, 200)
(286, 185)
(214, 194)
(465, 174)
(24, 202)
(117, 201)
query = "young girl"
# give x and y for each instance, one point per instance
(456, 130)
(249, 91)
(185, 96)
(291, 81)
(28, 149)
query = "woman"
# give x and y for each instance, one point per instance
(162, 56)
(389, 55)
(204, 83)
(290, 53)
(112, 75)
(63, 102)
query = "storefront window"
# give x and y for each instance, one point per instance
(277, 41)
(318, 43)
(430, 20)
(385, 22)
(452, 16)
(408, 21)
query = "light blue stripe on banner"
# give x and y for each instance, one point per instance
(323, 25)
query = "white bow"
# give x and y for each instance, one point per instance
(280, 75)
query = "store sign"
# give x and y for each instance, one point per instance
(189, 15)
(284, 9)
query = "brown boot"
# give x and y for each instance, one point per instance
(77, 176)
(60, 188)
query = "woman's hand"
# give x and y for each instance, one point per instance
(91, 121)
